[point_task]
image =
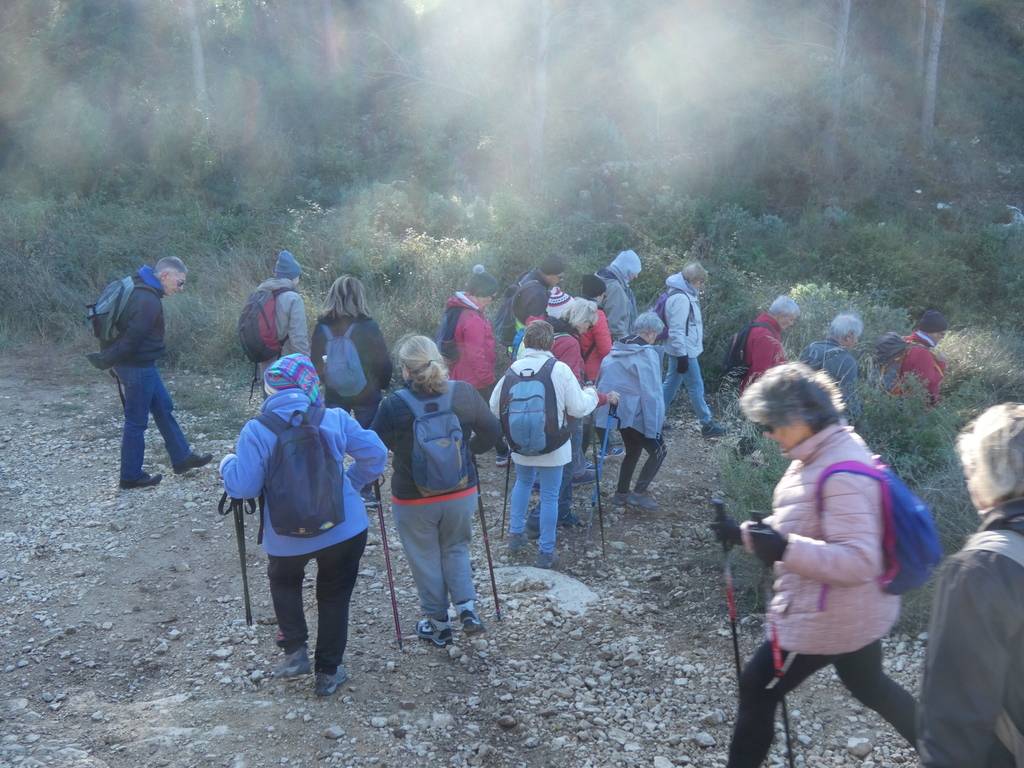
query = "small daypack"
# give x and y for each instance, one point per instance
(445, 338)
(505, 319)
(659, 309)
(440, 455)
(529, 411)
(257, 326)
(910, 541)
(735, 363)
(304, 485)
(890, 350)
(343, 370)
(104, 314)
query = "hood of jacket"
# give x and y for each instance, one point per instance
(680, 283)
(625, 349)
(459, 299)
(276, 284)
(148, 276)
(286, 402)
(625, 264)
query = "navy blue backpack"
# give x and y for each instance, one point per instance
(440, 455)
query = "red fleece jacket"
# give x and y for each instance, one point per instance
(763, 350)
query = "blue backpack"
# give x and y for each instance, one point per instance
(304, 485)
(440, 456)
(343, 370)
(529, 411)
(910, 542)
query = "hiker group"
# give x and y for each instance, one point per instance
(845, 538)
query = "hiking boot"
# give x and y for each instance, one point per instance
(619, 499)
(326, 684)
(516, 542)
(295, 663)
(586, 477)
(471, 623)
(146, 481)
(501, 461)
(712, 429)
(437, 632)
(644, 501)
(547, 560)
(193, 461)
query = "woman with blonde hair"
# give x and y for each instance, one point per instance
(432, 426)
(349, 351)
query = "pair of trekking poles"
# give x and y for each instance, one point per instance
(773, 634)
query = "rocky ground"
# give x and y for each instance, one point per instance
(122, 641)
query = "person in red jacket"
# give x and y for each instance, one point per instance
(596, 343)
(764, 342)
(921, 358)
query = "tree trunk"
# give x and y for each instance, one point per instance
(922, 32)
(539, 112)
(198, 61)
(931, 82)
(839, 67)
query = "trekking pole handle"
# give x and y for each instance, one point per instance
(221, 503)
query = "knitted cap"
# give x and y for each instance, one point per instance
(553, 265)
(932, 321)
(558, 302)
(287, 266)
(481, 283)
(295, 372)
(592, 287)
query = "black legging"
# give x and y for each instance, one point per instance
(861, 673)
(635, 443)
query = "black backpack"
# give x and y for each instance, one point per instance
(735, 363)
(304, 484)
(445, 338)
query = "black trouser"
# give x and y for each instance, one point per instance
(861, 673)
(336, 569)
(636, 443)
(501, 448)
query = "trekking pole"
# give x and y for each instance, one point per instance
(777, 663)
(487, 543)
(237, 506)
(598, 469)
(730, 596)
(387, 561)
(504, 505)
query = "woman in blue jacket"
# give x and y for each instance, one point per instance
(293, 387)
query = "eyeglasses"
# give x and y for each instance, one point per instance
(180, 282)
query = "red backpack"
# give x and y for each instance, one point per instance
(257, 326)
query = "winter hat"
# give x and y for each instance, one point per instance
(932, 321)
(553, 265)
(480, 283)
(558, 302)
(295, 372)
(592, 287)
(627, 263)
(287, 266)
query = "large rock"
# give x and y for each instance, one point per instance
(569, 594)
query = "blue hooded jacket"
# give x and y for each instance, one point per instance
(244, 471)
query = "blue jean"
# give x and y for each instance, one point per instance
(145, 393)
(550, 479)
(694, 383)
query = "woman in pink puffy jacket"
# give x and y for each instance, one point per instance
(828, 608)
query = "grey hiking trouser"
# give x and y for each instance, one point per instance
(436, 536)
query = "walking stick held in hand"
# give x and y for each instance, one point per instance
(387, 561)
(237, 507)
(487, 543)
(504, 505)
(730, 596)
(598, 471)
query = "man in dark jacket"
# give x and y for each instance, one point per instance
(133, 355)
(833, 356)
(972, 695)
(527, 297)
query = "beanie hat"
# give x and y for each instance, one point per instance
(932, 321)
(592, 287)
(295, 372)
(558, 302)
(627, 263)
(287, 266)
(480, 283)
(552, 265)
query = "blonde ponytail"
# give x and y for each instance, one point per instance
(419, 356)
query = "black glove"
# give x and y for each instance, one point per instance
(769, 544)
(682, 364)
(96, 358)
(727, 531)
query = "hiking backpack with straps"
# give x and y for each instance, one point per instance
(304, 485)
(910, 541)
(440, 454)
(529, 411)
(890, 351)
(343, 370)
(735, 362)
(445, 338)
(257, 326)
(659, 308)
(104, 314)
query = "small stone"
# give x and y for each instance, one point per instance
(174, 634)
(47, 697)
(256, 675)
(333, 732)
(379, 722)
(508, 722)
(479, 644)
(222, 653)
(662, 762)
(715, 717)
(107, 625)
(454, 652)
(858, 746)
(705, 739)
(407, 704)
(97, 717)
(441, 720)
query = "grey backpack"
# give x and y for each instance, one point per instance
(440, 456)
(343, 370)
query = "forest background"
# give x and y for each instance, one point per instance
(859, 154)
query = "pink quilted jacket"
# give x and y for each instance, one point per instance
(827, 598)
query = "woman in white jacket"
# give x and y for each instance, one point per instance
(545, 468)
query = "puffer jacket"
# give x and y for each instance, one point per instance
(685, 322)
(474, 342)
(289, 315)
(827, 596)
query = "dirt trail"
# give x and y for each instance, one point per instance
(122, 642)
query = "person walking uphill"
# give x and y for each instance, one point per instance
(833, 356)
(132, 355)
(527, 297)
(434, 482)
(289, 308)
(828, 608)
(310, 488)
(922, 359)
(619, 302)
(972, 695)
(763, 349)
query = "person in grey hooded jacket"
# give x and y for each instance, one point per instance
(619, 302)
(290, 310)
(633, 369)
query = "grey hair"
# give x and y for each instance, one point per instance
(783, 305)
(844, 324)
(648, 321)
(581, 313)
(694, 271)
(793, 393)
(346, 298)
(170, 264)
(991, 450)
(539, 335)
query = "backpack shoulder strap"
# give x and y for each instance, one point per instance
(351, 327)
(411, 402)
(278, 291)
(273, 422)
(314, 415)
(1002, 542)
(853, 468)
(327, 331)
